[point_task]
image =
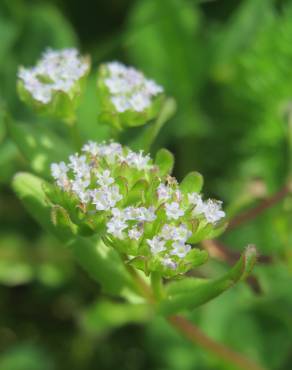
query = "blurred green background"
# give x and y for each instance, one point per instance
(229, 66)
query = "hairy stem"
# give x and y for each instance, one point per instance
(195, 335)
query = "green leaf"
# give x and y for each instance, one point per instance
(45, 26)
(105, 315)
(26, 357)
(192, 183)
(9, 32)
(164, 159)
(185, 285)
(137, 192)
(212, 288)
(61, 220)
(39, 146)
(101, 263)
(29, 189)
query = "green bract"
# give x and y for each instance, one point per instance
(135, 206)
(126, 97)
(55, 84)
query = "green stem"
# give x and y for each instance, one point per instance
(144, 289)
(157, 286)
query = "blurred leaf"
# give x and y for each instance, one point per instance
(43, 27)
(26, 357)
(164, 41)
(39, 146)
(9, 31)
(15, 263)
(104, 316)
(236, 35)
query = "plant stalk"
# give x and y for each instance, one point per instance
(195, 335)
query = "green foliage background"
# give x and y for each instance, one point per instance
(228, 65)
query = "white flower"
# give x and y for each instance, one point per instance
(156, 245)
(146, 214)
(115, 226)
(58, 170)
(116, 68)
(100, 199)
(212, 211)
(106, 198)
(114, 195)
(167, 232)
(112, 152)
(138, 160)
(182, 233)
(173, 211)
(128, 88)
(135, 233)
(164, 192)
(79, 185)
(139, 102)
(79, 165)
(58, 70)
(104, 178)
(121, 103)
(169, 263)
(180, 249)
(152, 88)
(176, 233)
(84, 196)
(63, 182)
(117, 85)
(92, 148)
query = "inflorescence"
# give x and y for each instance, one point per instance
(58, 70)
(140, 212)
(128, 88)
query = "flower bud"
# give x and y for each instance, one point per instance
(54, 85)
(136, 207)
(127, 98)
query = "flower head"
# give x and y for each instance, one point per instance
(137, 210)
(125, 90)
(57, 73)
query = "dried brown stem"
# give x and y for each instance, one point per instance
(195, 335)
(260, 208)
(224, 253)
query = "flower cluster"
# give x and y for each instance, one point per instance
(126, 91)
(129, 89)
(56, 71)
(139, 211)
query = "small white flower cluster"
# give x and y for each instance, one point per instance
(129, 89)
(58, 70)
(171, 240)
(131, 218)
(211, 208)
(162, 223)
(91, 183)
